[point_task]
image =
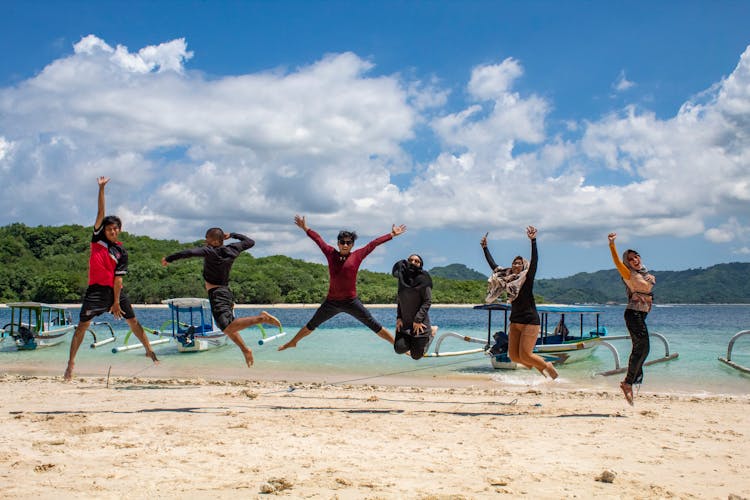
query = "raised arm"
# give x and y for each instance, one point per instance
(621, 268)
(531, 233)
(102, 206)
(244, 243)
(487, 255)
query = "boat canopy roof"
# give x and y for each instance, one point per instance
(33, 305)
(543, 308)
(186, 302)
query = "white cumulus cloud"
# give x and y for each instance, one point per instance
(327, 139)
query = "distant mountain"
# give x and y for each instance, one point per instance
(457, 272)
(719, 284)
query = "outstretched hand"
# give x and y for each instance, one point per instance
(531, 232)
(396, 230)
(483, 241)
(102, 181)
(612, 237)
(300, 221)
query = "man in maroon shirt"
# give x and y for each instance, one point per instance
(343, 265)
(108, 263)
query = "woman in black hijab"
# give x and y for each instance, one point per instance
(413, 329)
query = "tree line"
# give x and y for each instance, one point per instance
(50, 264)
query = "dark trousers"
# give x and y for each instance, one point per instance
(636, 323)
(417, 345)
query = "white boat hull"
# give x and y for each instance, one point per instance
(49, 339)
(203, 344)
(555, 353)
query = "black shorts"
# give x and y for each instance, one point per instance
(353, 307)
(222, 305)
(98, 299)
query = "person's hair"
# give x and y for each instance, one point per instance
(518, 257)
(112, 219)
(630, 251)
(215, 233)
(344, 234)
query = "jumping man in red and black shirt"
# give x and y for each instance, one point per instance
(108, 263)
(343, 265)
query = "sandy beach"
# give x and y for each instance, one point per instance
(169, 438)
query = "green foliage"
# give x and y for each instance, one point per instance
(50, 264)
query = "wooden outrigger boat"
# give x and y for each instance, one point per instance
(191, 326)
(34, 325)
(728, 360)
(556, 343)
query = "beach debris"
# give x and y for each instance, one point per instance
(275, 485)
(250, 394)
(732, 496)
(499, 482)
(607, 476)
(372, 399)
(343, 482)
(44, 467)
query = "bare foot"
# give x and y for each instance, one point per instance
(287, 346)
(152, 355)
(551, 371)
(68, 373)
(627, 390)
(248, 357)
(269, 319)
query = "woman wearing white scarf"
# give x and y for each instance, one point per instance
(518, 283)
(638, 284)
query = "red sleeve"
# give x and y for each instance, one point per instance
(367, 249)
(325, 247)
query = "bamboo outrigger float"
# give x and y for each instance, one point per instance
(728, 360)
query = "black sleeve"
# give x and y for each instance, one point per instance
(186, 254)
(121, 269)
(244, 243)
(426, 303)
(534, 259)
(490, 260)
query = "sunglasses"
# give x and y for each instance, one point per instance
(346, 242)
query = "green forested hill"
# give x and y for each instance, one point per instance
(49, 264)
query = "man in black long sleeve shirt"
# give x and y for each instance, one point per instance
(217, 262)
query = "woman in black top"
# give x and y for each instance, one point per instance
(413, 329)
(518, 282)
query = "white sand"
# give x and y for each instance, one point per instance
(147, 438)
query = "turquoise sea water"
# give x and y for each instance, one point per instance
(342, 350)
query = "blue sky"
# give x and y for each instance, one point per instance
(454, 118)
